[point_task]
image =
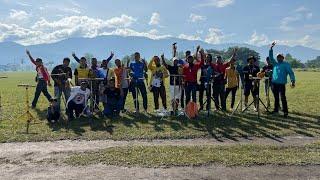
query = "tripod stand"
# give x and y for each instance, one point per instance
(257, 98)
(174, 100)
(27, 112)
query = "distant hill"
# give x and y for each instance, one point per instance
(101, 46)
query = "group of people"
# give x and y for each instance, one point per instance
(110, 86)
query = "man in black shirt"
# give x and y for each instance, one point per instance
(62, 75)
(175, 72)
(250, 85)
(114, 100)
(267, 70)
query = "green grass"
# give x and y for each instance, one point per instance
(304, 103)
(167, 156)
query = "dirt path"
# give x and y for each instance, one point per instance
(21, 160)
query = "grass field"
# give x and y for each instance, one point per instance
(304, 108)
(167, 156)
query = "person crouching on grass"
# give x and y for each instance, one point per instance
(78, 100)
(281, 70)
(42, 78)
(114, 100)
(158, 75)
(53, 113)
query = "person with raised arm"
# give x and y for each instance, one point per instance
(219, 90)
(137, 72)
(175, 71)
(190, 72)
(82, 71)
(232, 78)
(42, 79)
(281, 70)
(157, 82)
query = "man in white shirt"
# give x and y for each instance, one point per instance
(77, 101)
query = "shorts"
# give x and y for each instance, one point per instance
(248, 87)
(175, 92)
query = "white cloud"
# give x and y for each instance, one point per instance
(258, 40)
(196, 17)
(299, 14)
(301, 9)
(216, 36)
(189, 37)
(152, 34)
(217, 3)
(155, 19)
(18, 15)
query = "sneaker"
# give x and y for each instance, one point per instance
(285, 115)
(201, 108)
(255, 109)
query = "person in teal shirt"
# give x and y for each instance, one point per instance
(281, 70)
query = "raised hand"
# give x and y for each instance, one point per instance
(235, 50)
(112, 53)
(198, 48)
(162, 56)
(73, 54)
(28, 52)
(273, 44)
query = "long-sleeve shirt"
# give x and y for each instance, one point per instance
(281, 70)
(190, 72)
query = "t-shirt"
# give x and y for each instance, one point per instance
(220, 70)
(79, 98)
(204, 72)
(268, 70)
(190, 72)
(121, 75)
(137, 69)
(60, 69)
(252, 70)
(174, 70)
(113, 96)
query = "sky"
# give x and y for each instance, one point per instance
(255, 22)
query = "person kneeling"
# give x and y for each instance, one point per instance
(77, 101)
(114, 100)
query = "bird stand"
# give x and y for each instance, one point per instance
(27, 114)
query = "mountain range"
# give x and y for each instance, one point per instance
(101, 47)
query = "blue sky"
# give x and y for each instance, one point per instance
(256, 22)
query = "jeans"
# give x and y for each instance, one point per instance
(140, 86)
(204, 88)
(78, 108)
(113, 108)
(280, 89)
(191, 90)
(124, 98)
(41, 87)
(159, 91)
(233, 97)
(58, 92)
(219, 92)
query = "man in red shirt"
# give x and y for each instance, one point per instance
(190, 72)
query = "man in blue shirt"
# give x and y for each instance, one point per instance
(281, 69)
(138, 70)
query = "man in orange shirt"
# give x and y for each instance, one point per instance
(121, 82)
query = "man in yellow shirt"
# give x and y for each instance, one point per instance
(158, 75)
(232, 78)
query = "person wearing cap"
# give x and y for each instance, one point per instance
(60, 75)
(137, 71)
(190, 72)
(157, 82)
(77, 102)
(267, 70)
(42, 78)
(281, 69)
(219, 91)
(53, 112)
(250, 71)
